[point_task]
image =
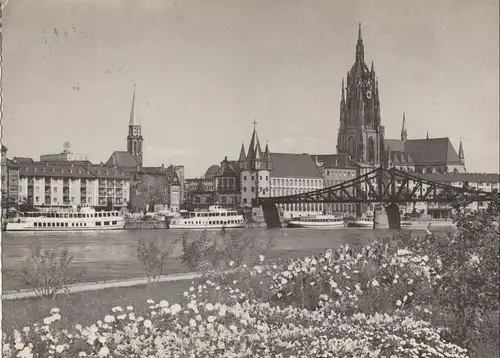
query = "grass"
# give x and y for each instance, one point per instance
(86, 308)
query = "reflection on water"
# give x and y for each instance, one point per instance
(112, 254)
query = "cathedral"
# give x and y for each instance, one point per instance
(361, 135)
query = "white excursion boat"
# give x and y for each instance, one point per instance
(215, 218)
(319, 221)
(85, 219)
(364, 221)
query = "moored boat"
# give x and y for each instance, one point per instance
(319, 221)
(83, 220)
(364, 221)
(215, 218)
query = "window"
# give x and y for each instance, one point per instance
(97, 223)
(260, 177)
(253, 178)
(253, 189)
(244, 200)
(114, 222)
(244, 177)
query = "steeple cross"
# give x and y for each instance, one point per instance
(254, 124)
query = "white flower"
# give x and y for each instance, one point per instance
(150, 301)
(147, 323)
(25, 353)
(117, 309)
(130, 308)
(103, 352)
(375, 283)
(192, 323)
(410, 281)
(191, 289)
(398, 303)
(109, 319)
(261, 258)
(211, 319)
(209, 307)
(55, 310)
(410, 294)
(122, 316)
(231, 263)
(26, 330)
(163, 303)
(59, 348)
(176, 308)
(82, 354)
(48, 320)
(222, 311)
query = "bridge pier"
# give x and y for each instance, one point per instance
(270, 215)
(387, 217)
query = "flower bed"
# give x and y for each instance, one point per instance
(402, 298)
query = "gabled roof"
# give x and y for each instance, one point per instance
(122, 159)
(286, 165)
(333, 160)
(460, 177)
(432, 151)
(227, 169)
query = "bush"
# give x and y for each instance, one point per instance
(152, 258)
(45, 270)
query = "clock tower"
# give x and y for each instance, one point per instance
(360, 133)
(134, 138)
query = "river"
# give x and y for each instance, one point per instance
(107, 255)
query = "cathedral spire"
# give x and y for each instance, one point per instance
(461, 154)
(132, 110)
(360, 50)
(404, 134)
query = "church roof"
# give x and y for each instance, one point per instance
(432, 151)
(172, 175)
(423, 151)
(286, 165)
(122, 159)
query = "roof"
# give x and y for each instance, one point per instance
(286, 165)
(4, 148)
(228, 169)
(423, 151)
(172, 175)
(12, 164)
(212, 171)
(333, 160)
(460, 177)
(23, 160)
(395, 144)
(122, 159)
(401, 157)
(69, 170)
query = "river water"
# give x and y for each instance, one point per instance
(106, 255)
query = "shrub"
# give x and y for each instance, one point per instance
(152, 258)
(45, 270)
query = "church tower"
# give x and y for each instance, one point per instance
(134, 138)
(360, 133)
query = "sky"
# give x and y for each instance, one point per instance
(206, 69)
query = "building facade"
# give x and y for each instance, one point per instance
(265, 174)
(336, 169)
(10, 181)
(227, 184)
(200, 193)
(65, 156)
(67, 185)
(150, 186)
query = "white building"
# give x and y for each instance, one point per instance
(65, 185)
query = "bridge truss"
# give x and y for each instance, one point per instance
(386, 186)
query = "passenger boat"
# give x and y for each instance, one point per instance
(319, 221)
(365, 221)
(215, 218)
(83, 220)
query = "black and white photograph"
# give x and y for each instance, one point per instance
(250, 178)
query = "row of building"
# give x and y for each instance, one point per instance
(68, 179)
